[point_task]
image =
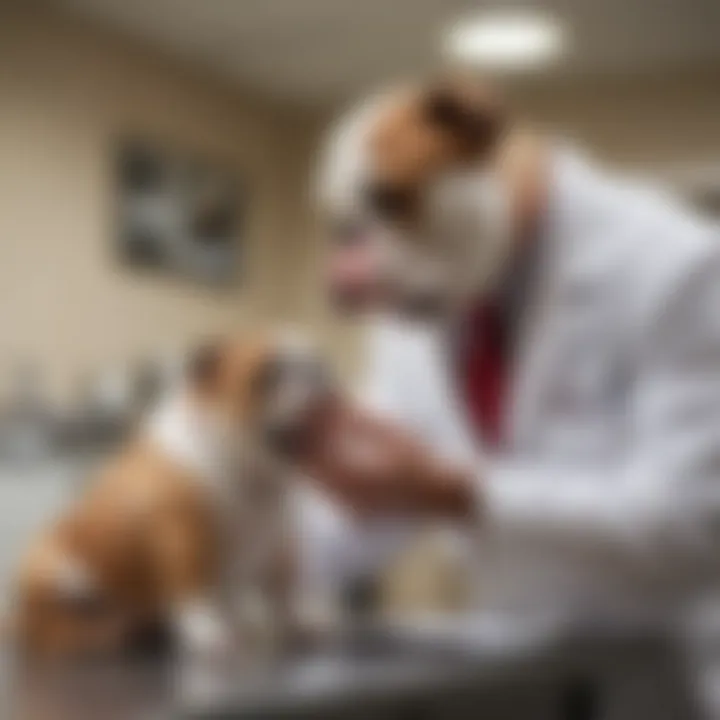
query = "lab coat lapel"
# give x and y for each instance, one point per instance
(537, 302)
(565, 309)
(533, 334)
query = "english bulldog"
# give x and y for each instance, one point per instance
(187, 523)
(422, 187)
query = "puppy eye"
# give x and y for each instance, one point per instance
(204, 362)
(390, 202)
(268, 377)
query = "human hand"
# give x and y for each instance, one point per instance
(375, 467)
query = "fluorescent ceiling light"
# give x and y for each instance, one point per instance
(505, 41)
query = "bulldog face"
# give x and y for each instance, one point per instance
(265, 389)
(416, 218)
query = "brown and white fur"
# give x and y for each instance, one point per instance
(185, 522)
(424, 188)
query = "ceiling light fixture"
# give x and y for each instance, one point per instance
(514, 41)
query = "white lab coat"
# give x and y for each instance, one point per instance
(607, 496)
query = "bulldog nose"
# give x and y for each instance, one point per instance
(303, 387)
(310, 373)
(353, 274)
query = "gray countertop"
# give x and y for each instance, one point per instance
(381, 673)
(506, 671)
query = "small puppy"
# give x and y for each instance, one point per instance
(185, 520)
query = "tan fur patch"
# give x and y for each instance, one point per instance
(405, 149)
(409, 147)
(231, 389)
(143, 532)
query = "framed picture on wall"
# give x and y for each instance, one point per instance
(178, 215)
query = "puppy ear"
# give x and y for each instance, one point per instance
(203, 365)
(463, 110)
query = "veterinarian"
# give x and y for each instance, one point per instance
(545, 352)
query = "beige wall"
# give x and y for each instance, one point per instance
(67, 90)
(635, 120)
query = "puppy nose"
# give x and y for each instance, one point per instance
(322, 382)
(299, 366)
(304, 387)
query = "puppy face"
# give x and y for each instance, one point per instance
(263, 388)
(415, 217)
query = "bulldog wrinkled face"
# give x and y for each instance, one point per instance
(294, 383)
(265, 389)
(416, 219)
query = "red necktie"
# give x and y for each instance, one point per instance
(484, 370)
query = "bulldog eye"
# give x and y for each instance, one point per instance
(390, 202)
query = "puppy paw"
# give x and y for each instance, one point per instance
(202, 631)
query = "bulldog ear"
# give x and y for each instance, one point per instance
(203, 364)
(472, 117)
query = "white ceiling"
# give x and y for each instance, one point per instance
(321, 50)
